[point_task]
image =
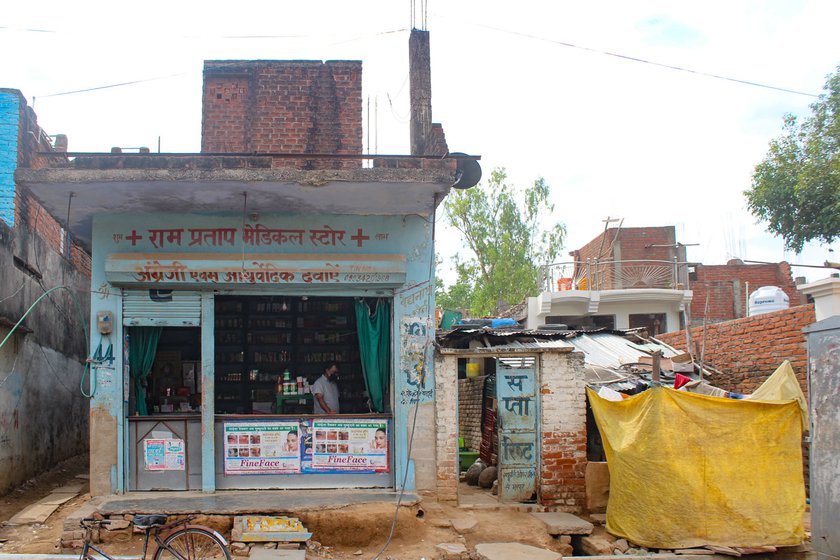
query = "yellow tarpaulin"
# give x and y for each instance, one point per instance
(690, 470)
(783, 386)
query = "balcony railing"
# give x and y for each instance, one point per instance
(596, 274)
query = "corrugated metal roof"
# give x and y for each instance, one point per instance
(610, 350)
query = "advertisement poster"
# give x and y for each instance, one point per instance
(262, 448)
(164, 454)
(340, 445)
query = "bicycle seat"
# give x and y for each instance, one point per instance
(147, 521)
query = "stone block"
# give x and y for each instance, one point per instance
(514, 551)
(622, 545)
(561, 523)
(597, 486)
(463, 525)
(259, 553)
(596, 546)
(450, 551)
(599, 518)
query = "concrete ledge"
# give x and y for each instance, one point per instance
(244, 502)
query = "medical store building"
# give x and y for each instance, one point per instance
(223, 283)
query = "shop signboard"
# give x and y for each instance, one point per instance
(262, 447)
(349, 445)
(164, 454)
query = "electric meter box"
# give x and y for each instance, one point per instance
(104, 322)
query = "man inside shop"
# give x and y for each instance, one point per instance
(325, 391)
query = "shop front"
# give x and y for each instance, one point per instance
(280, 351)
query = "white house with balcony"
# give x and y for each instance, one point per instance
(613, 294)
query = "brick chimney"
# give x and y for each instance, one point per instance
(266, 106)
(420, 90)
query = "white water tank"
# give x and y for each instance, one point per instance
(767, 299)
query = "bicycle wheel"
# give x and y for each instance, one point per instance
(192, 543)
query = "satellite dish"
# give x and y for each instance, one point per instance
(468, 171)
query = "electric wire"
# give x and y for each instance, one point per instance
(16, 292)
(190, 72)
(636, 59)
(426, 348)
(84, 329)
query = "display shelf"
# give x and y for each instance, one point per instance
(275, 333)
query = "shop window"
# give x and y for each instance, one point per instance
(174, 383)
(269, 350)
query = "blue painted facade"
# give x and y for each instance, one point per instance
(145, 238)
(9, 133)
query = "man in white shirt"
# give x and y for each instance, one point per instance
(326, 391)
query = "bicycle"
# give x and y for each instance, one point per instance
(178, 540)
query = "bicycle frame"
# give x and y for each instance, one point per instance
(156, 532)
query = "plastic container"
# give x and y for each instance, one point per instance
(473, 370)
(767, 299)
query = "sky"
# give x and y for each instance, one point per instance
(525, 85)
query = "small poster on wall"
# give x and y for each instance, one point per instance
(350, 445)
(262, 448)
(164, 454)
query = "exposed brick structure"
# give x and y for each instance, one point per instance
(562, 475)
(748, 350)
(632, 243)
(27, 139)
(470, 404)
(726, 286)
(628, 244)
(286, 107)
(561, 478)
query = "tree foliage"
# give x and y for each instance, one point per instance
(501, 227)
(796, 188)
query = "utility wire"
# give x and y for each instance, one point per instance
(636, 59)
(188, 72)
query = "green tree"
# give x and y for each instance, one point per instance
(507, 243)
(796, 188)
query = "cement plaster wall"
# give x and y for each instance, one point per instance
(43, 415)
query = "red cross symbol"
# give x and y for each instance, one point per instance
(133, 237)
(359, 237)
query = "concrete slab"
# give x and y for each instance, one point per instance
(514, 551)
(260, 553)
(74, 488)
(57, 498)
(560, 523)
(245, 502)
(35, 513)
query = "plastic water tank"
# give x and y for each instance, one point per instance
(767, 299)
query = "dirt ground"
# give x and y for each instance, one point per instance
(41, 538)
(342, 533)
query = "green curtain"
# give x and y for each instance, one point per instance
(142, 347)
(375, 347)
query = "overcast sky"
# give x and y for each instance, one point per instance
(519, 83)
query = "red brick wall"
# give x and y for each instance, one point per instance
(632, 244)
(28, 211)
(748, 350)
(284, 107)
(726, 286)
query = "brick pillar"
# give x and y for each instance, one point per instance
(562, 476)
(446, 426)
